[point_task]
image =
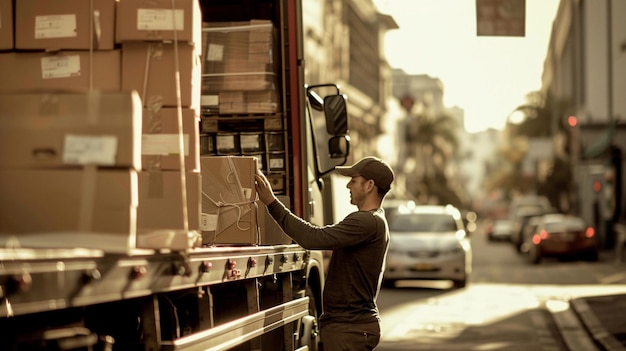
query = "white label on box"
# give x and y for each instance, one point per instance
(226, 142)
(163, 144)
(60, 66)
(90, 149)
(215, 52)
(55, 26)
(277, 163)
(250, 142)
(208, 222)
(160, 19)
(209, 100)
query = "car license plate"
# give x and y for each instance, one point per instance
(423, 266)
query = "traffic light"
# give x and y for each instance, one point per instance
(572, 121)
(597, 186)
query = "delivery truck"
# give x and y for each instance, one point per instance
(130, 135)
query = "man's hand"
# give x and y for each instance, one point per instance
(264, 188)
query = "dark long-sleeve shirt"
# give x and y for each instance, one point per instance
(359, 244)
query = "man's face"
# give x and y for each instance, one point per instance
(357, 190)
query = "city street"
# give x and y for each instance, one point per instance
(505, 306)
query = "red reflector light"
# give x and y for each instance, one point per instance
(590, 232)
(536, 239)
(543, 234)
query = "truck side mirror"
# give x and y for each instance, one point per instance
(339, 146)
(336, 114)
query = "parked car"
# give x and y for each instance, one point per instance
(520, 208)
(528, 230)
(522, 217)
(428, 243)
(499, 230)
(391, 206)
(561, 235)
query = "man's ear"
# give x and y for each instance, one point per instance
(371, 186)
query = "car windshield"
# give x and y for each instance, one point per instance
(423, 222)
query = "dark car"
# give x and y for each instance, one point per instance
(519, 225)
(561, 235)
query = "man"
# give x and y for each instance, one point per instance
(350, 319)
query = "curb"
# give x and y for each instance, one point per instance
(602, 337)
(570, 328)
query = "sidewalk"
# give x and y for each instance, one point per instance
(599, 318)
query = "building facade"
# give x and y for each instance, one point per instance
(585, 73)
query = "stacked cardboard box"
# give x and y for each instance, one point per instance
(57, 47)
(240, 66)
(161, 60)
(68, 163)
(141, 48)
(6, 25)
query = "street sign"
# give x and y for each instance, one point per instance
(501, 18)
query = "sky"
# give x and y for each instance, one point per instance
(488, 77)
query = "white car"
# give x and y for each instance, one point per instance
(428, 242)
(499, 230)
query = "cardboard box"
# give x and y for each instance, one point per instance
(6, 25)
(245, 44)
(248, 102)
(213, 84)
(271, 233)
(64, 24)
(45, 130)
(76, 200)
(160, 139)
(154, 20)
(62, 71)
(229, 214)
(157, 61)
(160, 201)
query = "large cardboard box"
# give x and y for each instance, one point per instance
(75, 71)
(65, 24)
(160, 139)
(6, 25)
(45, 130)
(150, 68)
(154, 20)
(229, 214)
(84, 201)
(160, 201)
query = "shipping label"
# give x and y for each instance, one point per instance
(250, 142)
(163, 144)
(160, 19)
(60, 66)
(277, 163)
(215, 53)
(208, 222)
(90, 149)
(55, 26)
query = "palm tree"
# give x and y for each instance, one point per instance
(432, 142)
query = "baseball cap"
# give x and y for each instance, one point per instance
(370, 168)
